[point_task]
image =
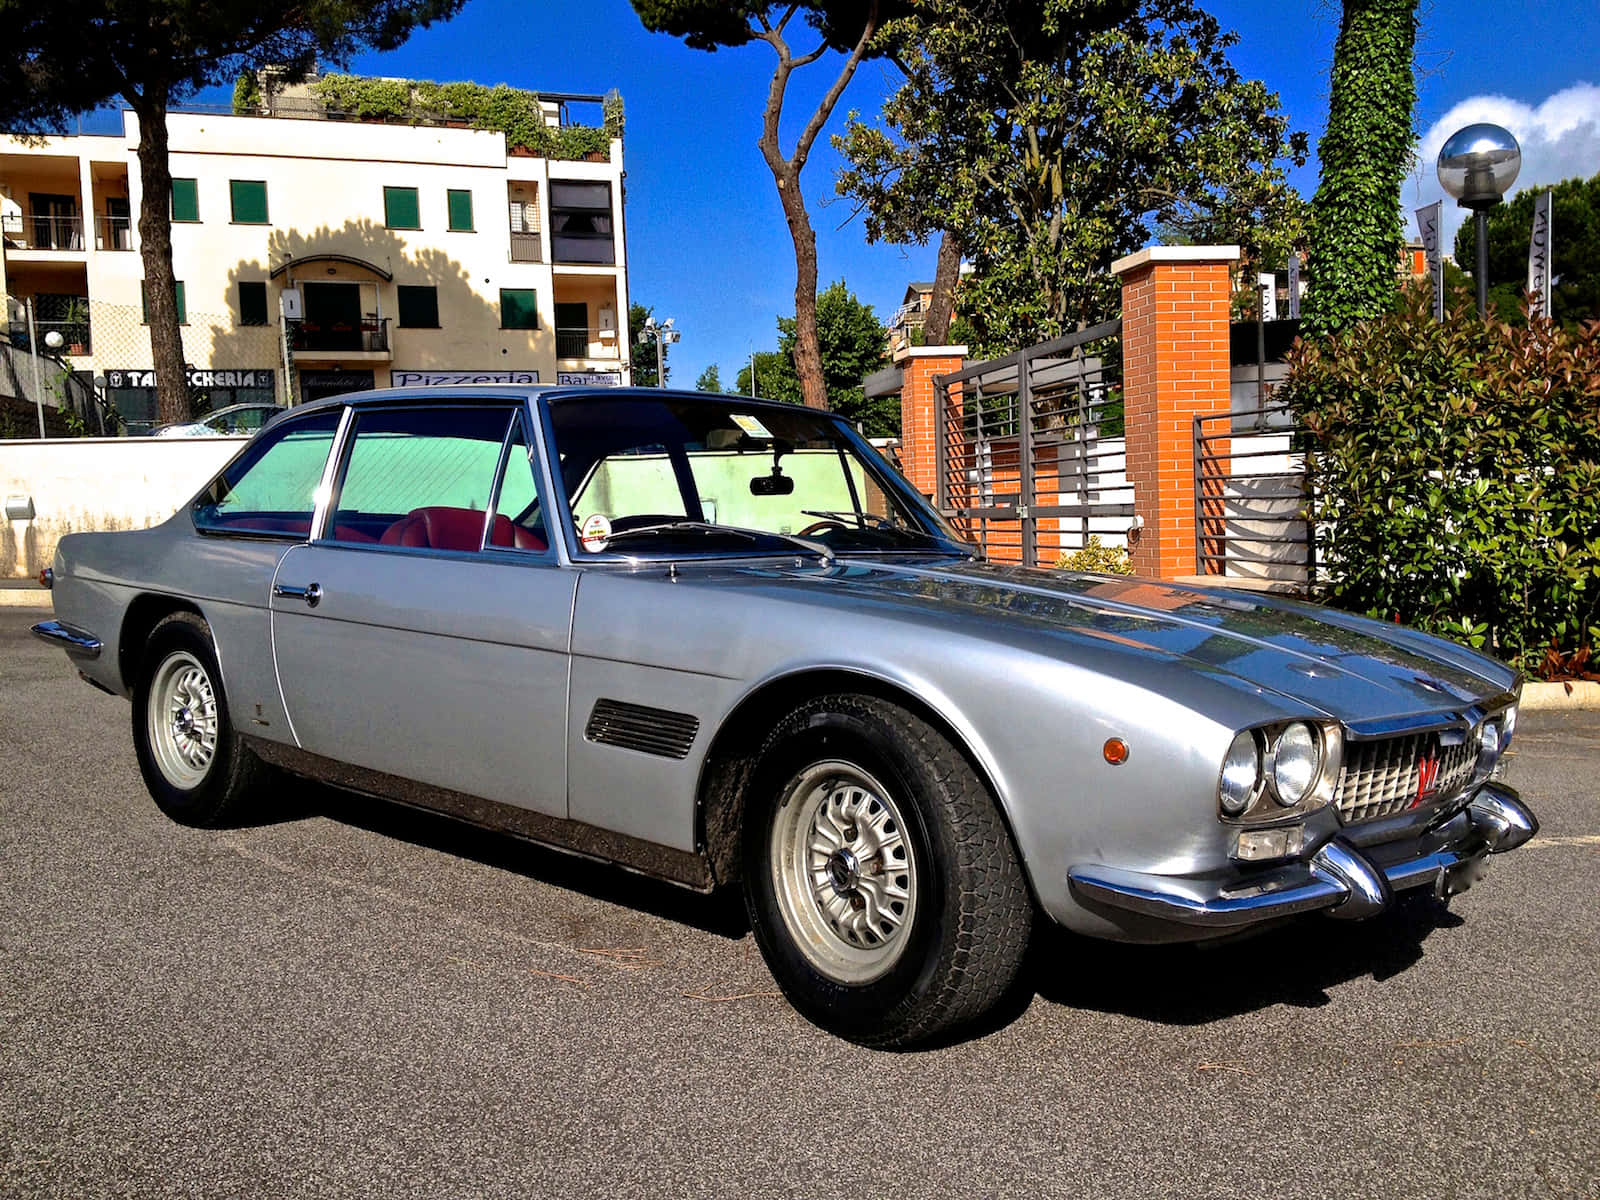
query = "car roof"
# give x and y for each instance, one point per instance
(552, 393)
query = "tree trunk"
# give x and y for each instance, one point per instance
(155, 249)
(807, 347)
(942, 304)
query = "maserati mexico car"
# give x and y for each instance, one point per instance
(722, 642)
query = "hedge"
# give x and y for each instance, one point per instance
(1456, 474)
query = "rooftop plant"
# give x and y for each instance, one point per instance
(503, 109)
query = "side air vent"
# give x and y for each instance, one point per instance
(647, 730)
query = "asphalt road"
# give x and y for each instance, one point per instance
(361, 1001)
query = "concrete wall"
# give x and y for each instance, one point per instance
(95, 484)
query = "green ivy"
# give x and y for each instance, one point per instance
(508, 110)
(1356, 234)
(1456, 467)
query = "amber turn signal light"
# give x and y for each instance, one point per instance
(1116, 751)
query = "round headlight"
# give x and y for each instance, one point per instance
(1296, 761)
(1241, 772)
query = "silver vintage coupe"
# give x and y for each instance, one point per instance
(719, 641)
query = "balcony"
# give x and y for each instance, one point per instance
(113, 233)
(34, 231)
(525, 248)
(579, 342)
(313, 339)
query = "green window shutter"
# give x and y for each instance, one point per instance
(144, 302)
(519, 308)
(419, 307)
(400, 210)
(460, 204)
(249, 201)
(185, 200)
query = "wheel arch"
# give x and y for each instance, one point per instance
(143, 614)
(731, 759)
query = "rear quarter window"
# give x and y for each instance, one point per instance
(271, 488)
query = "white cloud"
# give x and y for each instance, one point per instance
(1560, 139)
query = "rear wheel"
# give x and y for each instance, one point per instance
(196, 766)
(881, 883)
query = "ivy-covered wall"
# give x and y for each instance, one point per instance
(508, 110)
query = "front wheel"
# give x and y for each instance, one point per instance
(196, 766)
(882, 885)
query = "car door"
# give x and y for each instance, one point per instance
(418, 635)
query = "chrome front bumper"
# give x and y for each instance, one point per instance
(1338, 878)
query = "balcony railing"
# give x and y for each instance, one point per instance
(371, 335)
(113, 233)
(525, 248)
(585, 343)
(33, 231)
(74, 336)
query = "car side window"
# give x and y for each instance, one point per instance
(420, 478)
(519, 515)
(270, 489)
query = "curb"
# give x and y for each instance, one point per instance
(1554, 697)
(24, 597)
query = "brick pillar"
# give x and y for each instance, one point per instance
(1174, 366)
(918, 446)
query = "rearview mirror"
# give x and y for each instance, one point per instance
(772, 485)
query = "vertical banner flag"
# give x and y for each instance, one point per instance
(1267, 286)
(1428, 218)
(1539, 256)
(1294, 287)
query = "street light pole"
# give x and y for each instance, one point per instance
(1478, 165)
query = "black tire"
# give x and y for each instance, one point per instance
(970, 923)
(227, 789)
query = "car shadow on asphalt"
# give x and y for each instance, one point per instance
(1193, 984)
(721, 913)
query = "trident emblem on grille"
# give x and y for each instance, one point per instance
(1427, 775)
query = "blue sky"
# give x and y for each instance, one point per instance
(707, 243)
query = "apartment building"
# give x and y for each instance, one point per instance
(318, 255)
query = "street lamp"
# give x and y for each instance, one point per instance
(1478, 165)
(663, 332)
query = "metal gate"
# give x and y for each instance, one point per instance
(1250, 497)
(1029, 449)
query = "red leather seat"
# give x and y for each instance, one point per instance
(444, 528)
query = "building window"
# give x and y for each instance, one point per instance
(580, 223)
(419, 307)
(400, 210)
(519, 308)
(183, 310)
(460, 205)
(185, 200)
(249, 198)
(252, 303)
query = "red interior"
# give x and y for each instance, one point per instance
(436, 528)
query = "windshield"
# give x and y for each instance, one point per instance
(649, 476)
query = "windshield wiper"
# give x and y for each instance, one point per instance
(860, 518)
(707, 527)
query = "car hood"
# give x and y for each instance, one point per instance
(1347, 667)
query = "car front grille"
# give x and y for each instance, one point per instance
(1383, 777)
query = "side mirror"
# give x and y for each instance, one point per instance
(772, 485)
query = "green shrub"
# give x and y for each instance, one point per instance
(1456, 468)
(1097, 558)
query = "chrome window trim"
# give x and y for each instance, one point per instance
(330, 469)
(492, 506)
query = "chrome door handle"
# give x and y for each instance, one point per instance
(311, 593)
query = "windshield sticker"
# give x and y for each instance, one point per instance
(596, 533)
(750, 425)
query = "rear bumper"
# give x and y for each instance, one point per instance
(1338, 878)
(79, 643)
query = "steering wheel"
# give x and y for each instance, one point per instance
(822, 526)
